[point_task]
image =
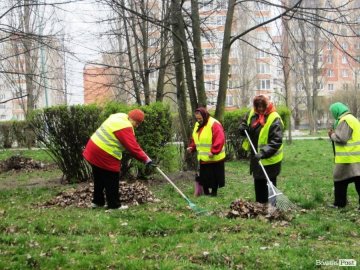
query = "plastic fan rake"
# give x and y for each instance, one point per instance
(275, 196)
(193, 207)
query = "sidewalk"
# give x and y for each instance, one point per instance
(302, 135)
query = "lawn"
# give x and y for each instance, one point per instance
(168, 235)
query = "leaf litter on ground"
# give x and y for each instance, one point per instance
(245, 209)
(130, 194)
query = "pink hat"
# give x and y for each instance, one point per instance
(137, 115)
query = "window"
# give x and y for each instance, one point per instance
(345, 86)
(153, 42)
(210, 85)
(330, 73)
(262, 6)
(329, 58)
(320, 58)
(263, 85)
(344, 73)
(261, 54)
(2, 96)
(345, 46)
(330, 87)
(206, 5)
(209, 69)
(343, 31)
(222, 4)
(263, 68)
(344, 59)
(261, 19)
(229, 100)
(153, 74)
(330, 46)
(319, 85)
(3, 117)
(220, 20)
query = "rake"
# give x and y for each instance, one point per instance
(275, 196)
(196, 209)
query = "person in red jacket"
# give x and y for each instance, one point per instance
(208, 139)
(104, 153)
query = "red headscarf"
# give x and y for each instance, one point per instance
(205, 115)
(263, 101)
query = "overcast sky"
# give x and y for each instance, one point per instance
(82, 38)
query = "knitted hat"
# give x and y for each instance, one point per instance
(136, 115)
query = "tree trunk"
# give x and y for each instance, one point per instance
(306, 82)
(180, 84)
(130, 57)
(186, 57)
(224, 64)
(286, 72)
(199, 67)
(162, 70)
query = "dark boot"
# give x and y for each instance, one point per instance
(213, 192)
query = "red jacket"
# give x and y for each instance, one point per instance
(98, 157)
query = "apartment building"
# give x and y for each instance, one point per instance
(47, 82)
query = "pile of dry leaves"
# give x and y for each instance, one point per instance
(244, 209)
(130, 194)
(21, 163)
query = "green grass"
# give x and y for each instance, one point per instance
(167, 235)
(37, 154)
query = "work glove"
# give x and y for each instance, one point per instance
(242, 129)
(150, 164)
(258, 156)
(330, 132)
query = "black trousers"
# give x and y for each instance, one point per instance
(261, 189)
(340, 190)
(107, 181)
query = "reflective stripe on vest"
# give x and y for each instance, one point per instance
(350, 152)
(264, 137)
(104, 136)
(203, 142)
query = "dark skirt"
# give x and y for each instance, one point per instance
(212, 175)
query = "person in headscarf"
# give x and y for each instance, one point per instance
(345, 136)
(104, 153)
(208, 139)
(265, 128)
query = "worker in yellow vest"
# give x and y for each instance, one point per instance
(104, 153)
(265, 129)
(346, 140)
(208, 139)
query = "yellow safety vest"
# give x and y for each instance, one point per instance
(350, 152)
(203, 142)
(104, 136)
(263, 139)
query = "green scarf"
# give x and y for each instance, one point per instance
(337, 109)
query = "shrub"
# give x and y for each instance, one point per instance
(6, 134)
(64, 131)
(19, 132)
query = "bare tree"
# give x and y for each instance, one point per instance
(26, 51)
